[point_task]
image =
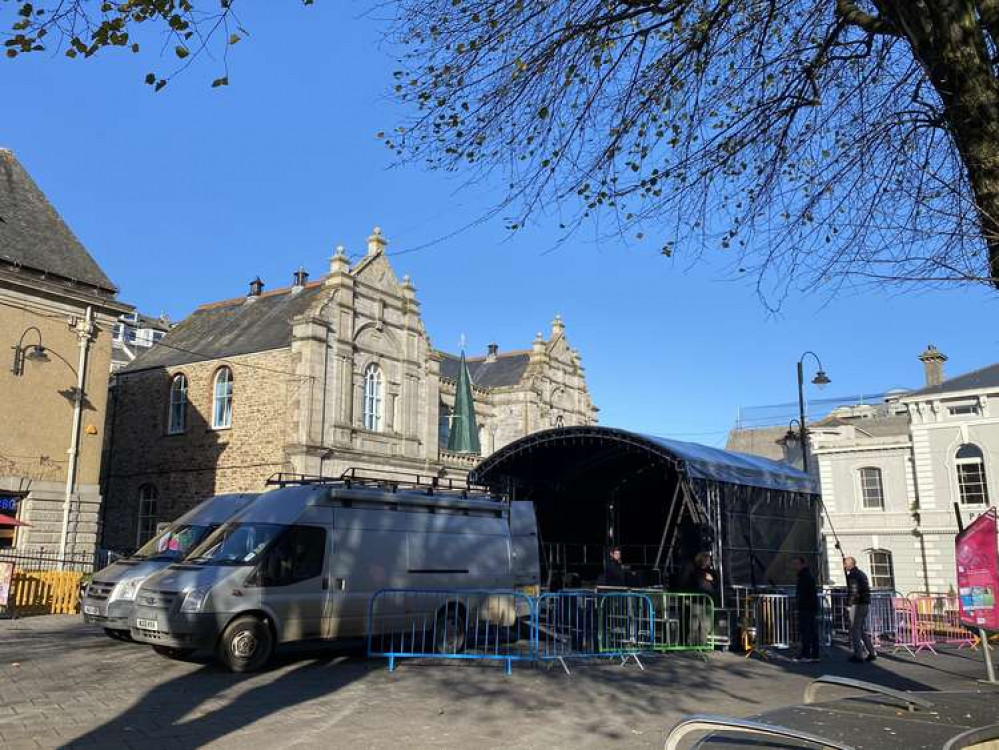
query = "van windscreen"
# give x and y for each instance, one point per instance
(235, 543)
(173, 543)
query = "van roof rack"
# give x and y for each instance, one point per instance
(390, 481)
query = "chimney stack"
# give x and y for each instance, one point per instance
(493, 350)
(256, 287)
(933, 360)
(301, 277)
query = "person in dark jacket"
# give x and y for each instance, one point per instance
(704, 578)
(808, 604)
(614, 574)
(858, 602)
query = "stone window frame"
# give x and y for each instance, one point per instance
(226, 422)
(867, 496)
(172, 427)
(971, 475)
(149, 497)
(373, 402)
(883, 569)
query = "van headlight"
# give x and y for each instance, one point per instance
(126, 590)
(194, 600)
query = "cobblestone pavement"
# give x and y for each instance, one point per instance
(64, 684)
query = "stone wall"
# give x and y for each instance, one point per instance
(202, 461)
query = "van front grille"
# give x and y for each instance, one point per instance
(100, 590)
(157, 599)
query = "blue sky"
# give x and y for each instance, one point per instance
(186, 195)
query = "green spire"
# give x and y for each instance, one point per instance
(464, 434)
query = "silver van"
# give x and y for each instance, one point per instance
(108, 599)
(303, 562)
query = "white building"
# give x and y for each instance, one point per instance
(891, 476)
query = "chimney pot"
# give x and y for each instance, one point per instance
(256, 287)
(301, 276)
(493, 350)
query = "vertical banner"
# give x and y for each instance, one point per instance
(6, 576)
(978, 572)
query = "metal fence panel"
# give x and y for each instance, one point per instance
(451, 624)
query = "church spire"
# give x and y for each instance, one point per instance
(464, 434)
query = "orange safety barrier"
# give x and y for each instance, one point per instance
(938, 619)
(44, 592)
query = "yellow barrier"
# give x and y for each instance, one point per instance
(48, 592)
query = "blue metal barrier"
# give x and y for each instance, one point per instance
(451, 624)
(586, 624)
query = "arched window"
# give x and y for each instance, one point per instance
(882, 569)
(872, 488)
(177, 421)
(222, 399)
(971, 483)
(148, 498)
(373, 398)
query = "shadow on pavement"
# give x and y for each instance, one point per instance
(208, 703)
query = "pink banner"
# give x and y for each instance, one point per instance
(978, 572)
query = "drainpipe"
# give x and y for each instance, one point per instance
(84, 332)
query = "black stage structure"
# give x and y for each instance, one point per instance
(662, 501)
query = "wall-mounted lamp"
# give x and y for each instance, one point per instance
(22, 352)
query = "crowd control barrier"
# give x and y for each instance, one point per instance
(585, 624)
(451, 624)
(683, 622)
(938, 619)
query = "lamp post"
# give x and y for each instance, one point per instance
(821, 380)
(35, 352)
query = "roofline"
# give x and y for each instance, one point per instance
(79, 291)
(45, 273)
(272, 293)
(482, 358)
(939, 390)
(127, 370)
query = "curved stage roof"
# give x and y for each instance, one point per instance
(693, 459)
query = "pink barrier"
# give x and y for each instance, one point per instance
(909, 634)
(939, 619)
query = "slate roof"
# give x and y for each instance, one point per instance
(984, 378)
(880, 426)
(506, 369)
(230, 328)
(33, 235)
(758, 441)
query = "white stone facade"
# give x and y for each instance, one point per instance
(919, 467)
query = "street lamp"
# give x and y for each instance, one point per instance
(22, 352)
(821, 380)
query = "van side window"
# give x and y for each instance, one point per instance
(297, 555)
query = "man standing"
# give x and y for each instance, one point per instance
(808, 604)
(859, 601)
(614, 571)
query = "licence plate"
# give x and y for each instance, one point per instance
(90, 609)
(147, 625)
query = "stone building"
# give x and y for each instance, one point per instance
(892, 473)
(57, 308)
(315, 378)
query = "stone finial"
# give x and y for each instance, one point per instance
(376, 242)
(933, 360)
(538, 350)
(558, 327)
(339, 262)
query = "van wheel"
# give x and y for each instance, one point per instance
(246, 644)
(173, 653)
(449, 631)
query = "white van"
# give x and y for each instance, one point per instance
(302, 563)
(108, 598)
